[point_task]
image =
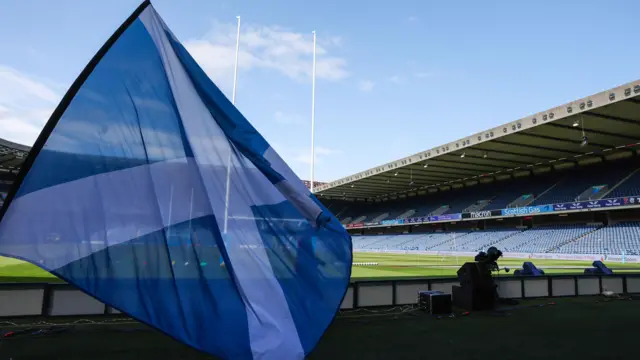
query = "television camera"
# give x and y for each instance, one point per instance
(477, 290)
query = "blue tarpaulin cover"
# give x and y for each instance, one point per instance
(149, 191)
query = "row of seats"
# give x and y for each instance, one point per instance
(619, 178)
(618, 239)
(622, 238)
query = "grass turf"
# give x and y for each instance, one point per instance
(388, 266)
(574, 328)
(405, 265)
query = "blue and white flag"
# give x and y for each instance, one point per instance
(150, 191)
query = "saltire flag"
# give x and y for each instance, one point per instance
(125, 196)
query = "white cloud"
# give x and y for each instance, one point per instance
(287, 119)
(366, 85)
(302, 155)
(25, 105)
(395, 79)
(265, 47)
(323, 151)
(17, 130)
(320, 154)
(423, 75)
(21, 87)
(299, 158)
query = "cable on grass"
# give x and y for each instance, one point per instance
(363, 312)
(44, 328)
(120, 321)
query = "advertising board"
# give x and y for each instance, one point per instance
(527, 210)
(445, 217)
(597, 204)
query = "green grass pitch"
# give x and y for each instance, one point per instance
(402, 266)
(388, 266)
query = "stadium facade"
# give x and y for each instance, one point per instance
(562, 183)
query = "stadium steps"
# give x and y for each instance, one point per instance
(534, 202)
(417, 238)
(525, 242)
(500, 240)
(573, 240)
(475, 236)
(447, 241)
(479, 205)
(406, 214)
(359, 219)
(480, 237)
(380, 238)
(339, 213)
(620, 183)
(519, 202)
(439, 210)
(380, 217)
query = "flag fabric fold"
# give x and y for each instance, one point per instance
(124, 196)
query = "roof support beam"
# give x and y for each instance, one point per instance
(537, 147)
(493, 159)
(457, 171)
(489, 151)
(482, 167)
(593, 131)
(561, 140)
(613, 118)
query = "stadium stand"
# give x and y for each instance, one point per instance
(570, 187)
(629, 187)
(612, 179)
(616, 239)
(558, 238)
(12, 156)
(560, 187)
(578, 161)
(621, 178)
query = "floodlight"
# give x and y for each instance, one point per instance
(584, 142)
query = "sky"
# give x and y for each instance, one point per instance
(393, 78)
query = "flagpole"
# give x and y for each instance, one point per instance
(170, 212)
(233, 101)
(313, 113)
(235, 70)
(190, 216)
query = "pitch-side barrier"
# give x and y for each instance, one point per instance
(54, 300)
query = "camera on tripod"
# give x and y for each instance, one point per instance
(489, 258)
(477, 291)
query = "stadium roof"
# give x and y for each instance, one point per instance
(610, 120)
(12, 156)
